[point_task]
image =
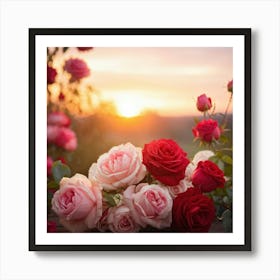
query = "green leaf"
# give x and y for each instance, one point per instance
(227, 220)
(53, 185)
(223, 139)
(228, 170)
(227, 159)
(112, 199)
(214, 159)
(60, 170)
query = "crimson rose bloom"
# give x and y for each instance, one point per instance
(192, 212)
(207, 130)
(51, 74)
(77, 68)
(166, 161)
(208, 176)
(203, 103)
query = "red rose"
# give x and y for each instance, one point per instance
(203, 103)
(192, 212)
(77, 68)
(166, 161)
(207, 130)
(230, 86)
(84, 48)
(51, 226)
(208, 176)
(51, 74)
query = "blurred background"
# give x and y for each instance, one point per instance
(134, 95)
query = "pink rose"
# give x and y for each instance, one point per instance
(78, 203)
(66, 139)
(120, 167)
(52, 133)
(120, 220)
(149, 205)
(51, 74)
(49, 166)
(59, 119)
(63, 137)
(203, 103)
(77, 68)
(180, 188)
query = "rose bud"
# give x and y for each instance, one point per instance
(203, 103)
(51, 74)
(192, 212)
(208, 176)
(61, 97)
(230, 86)
(207, 130)
(166, 161)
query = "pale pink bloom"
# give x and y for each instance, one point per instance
(77, 68)
(78, 203)
(120, 220)
(180, 188)
(120, 167)
(149, 205)
(58, 118)
(202, 156)
(203, 103)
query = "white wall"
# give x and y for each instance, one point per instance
(17, 262)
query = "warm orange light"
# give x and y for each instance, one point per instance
(129, 105)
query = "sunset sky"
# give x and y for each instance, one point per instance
(166, 80)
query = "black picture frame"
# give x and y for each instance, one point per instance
(246, 32)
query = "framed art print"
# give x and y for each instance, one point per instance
(140, 139)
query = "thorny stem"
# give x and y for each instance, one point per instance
(226, 112)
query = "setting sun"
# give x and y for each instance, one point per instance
(129, 105)
(127, 110)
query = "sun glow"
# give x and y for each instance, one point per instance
(127, 111)
(129, 105)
